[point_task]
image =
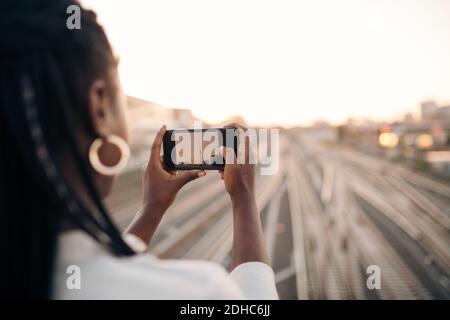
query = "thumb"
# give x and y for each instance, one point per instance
(228, 155)
(185, 176)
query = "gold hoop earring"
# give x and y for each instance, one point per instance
(98, 166)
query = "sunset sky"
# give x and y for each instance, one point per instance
(285, 61)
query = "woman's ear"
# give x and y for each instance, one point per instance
(99, 108)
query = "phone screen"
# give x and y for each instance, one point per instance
(197, 149)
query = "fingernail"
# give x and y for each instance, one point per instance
(201, 173)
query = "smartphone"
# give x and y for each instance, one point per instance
(198, 149)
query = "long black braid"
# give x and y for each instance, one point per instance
(45, 72)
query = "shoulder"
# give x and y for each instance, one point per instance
(145, 277)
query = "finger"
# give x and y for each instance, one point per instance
(184, 177)
(156, 147)
(243, 142)
(228, 155)
(236, 126)
(247, 149)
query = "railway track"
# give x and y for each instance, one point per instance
(328, 214)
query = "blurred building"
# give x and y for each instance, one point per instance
(444, 112)
(428, 110)
(145, 120)
(321, 131)
(408, 118)
(431, 113)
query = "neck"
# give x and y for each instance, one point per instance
(73, 177)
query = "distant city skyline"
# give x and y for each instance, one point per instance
(283, 62)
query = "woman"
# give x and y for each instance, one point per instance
(63, 137)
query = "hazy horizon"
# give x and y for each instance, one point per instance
(283, 62)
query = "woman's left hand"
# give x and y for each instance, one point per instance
(160, 188)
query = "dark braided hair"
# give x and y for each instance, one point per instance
(45, 74)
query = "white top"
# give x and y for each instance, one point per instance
(144, 276)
